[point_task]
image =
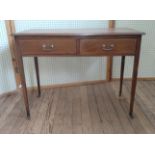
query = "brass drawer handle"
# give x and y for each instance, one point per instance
(108, 47)
(47, 47)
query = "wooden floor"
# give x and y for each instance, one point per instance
(81, 109)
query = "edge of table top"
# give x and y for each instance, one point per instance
(78, 32)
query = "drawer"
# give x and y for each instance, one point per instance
(126, 46)
(47, 46)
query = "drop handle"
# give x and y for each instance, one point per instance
(108, 47)
(47, 47)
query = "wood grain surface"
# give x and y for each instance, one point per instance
(81, 109)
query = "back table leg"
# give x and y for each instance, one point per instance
(121, 75)
(37, 75)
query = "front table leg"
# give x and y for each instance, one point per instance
(24, 89)
(134, 77)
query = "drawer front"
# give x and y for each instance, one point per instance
(126, 46)
(49, 46)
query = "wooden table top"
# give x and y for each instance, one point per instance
(79, 32)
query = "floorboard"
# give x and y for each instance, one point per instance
(85, 109)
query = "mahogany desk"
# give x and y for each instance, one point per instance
(81, 42)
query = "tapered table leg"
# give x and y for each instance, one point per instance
(122, 74)
(134, 77)
(37, 75)
(23, 83)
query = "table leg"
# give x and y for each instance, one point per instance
(37, 75)
(122, 74)
(134, 77)
(24, 89)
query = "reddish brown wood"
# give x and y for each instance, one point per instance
(47, 46)
(37, 75)
(121, 74)
(23, 81)
(78, 32)
(109, 46)
(88, 42)
(134, 76)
